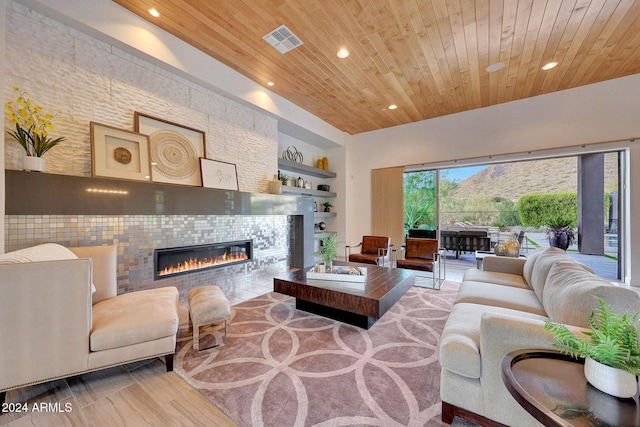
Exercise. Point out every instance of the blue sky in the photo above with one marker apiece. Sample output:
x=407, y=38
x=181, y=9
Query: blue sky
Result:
x=460, y=174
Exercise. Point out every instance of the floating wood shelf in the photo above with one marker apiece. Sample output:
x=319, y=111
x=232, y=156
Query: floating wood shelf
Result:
x=304, y=169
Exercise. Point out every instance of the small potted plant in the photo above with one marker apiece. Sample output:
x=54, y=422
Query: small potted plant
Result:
x=32, y=130
x=327, y=206
x=328, y=250
x=611, y=350
x=560, y=231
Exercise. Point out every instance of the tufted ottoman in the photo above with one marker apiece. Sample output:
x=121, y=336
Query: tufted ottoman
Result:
x=207, y=305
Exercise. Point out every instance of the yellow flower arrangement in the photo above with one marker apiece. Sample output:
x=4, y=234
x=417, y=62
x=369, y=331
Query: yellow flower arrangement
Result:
x=32, y=125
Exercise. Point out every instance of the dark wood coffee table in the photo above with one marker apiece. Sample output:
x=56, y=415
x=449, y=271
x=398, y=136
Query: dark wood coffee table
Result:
x=354, y=303
x=552, y=387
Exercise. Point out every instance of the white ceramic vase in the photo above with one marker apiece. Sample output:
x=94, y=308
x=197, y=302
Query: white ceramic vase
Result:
x=33, y=163
x=615, y=382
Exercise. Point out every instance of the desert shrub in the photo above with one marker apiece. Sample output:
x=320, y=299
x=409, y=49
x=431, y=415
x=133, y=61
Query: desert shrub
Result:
x=537, y=210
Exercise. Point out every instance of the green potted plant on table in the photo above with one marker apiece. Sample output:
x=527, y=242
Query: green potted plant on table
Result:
x=327, y=206
x=611, y=350
x=32, y=130
x=328, y=250
x=560, y=231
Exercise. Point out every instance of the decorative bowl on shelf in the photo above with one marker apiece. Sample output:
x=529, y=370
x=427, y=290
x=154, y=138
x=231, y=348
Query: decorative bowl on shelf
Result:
x=324, y=187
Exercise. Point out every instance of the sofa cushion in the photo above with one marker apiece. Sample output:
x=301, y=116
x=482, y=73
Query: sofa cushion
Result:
x=500, y=296
x=460, y=343
x=571, y=291
x=134, y=317
x=505, y=279
x=43, y=252
x=541, y=266
x=527, y=268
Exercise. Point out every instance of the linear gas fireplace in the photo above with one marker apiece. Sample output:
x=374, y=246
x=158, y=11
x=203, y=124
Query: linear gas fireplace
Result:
x=187, y=259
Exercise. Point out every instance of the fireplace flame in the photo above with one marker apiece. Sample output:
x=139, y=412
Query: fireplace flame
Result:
x=196, y=264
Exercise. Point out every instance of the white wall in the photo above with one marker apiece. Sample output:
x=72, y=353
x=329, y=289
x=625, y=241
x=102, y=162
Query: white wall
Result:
x=601, y=112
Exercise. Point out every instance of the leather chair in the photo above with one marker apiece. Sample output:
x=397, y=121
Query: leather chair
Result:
x=374, y=250
x=423, y=255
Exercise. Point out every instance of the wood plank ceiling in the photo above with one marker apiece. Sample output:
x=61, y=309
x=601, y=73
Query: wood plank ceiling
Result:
x=428, y=57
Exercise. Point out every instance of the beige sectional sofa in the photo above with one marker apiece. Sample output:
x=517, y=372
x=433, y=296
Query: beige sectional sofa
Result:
x=60, y=315
x=503, y=308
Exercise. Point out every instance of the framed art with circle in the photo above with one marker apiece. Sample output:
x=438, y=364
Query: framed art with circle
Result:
x=174, y=150
x=119, y=153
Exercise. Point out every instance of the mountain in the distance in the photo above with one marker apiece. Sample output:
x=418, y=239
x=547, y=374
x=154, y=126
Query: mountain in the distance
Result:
x=513, y=180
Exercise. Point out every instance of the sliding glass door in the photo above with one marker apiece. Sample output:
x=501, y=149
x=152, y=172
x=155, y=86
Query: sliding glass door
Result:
x=522, y=197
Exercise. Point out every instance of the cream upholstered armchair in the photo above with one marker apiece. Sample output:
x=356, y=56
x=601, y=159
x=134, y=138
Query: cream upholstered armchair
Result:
x=60, y=315
x=374, y=250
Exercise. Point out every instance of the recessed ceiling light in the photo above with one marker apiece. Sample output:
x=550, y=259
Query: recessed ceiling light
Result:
x=393, y=107
x=154, y=12
x=549, y=66
x=494, y=67
x=343, y=53
x=270, y=83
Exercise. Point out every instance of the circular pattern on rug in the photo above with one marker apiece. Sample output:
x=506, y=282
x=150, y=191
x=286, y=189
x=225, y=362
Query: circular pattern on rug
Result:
x=172, y=154
x=331, y=373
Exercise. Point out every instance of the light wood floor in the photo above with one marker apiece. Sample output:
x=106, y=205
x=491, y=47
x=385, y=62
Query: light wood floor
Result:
x=137, y=394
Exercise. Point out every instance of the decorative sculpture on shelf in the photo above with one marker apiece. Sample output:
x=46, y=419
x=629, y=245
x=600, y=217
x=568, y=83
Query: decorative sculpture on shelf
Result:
x=292, y=153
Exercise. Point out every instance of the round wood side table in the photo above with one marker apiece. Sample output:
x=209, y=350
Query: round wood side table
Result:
x=552, y=387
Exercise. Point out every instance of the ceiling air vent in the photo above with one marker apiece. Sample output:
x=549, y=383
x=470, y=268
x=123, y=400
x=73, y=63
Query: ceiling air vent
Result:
x=283, y=39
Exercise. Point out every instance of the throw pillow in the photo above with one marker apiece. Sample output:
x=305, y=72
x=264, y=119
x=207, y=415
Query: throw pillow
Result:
x=44, y=252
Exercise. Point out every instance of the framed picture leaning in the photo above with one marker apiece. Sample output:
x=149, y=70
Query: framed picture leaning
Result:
x=217, y=174
x=174, y=150
x=119, y=153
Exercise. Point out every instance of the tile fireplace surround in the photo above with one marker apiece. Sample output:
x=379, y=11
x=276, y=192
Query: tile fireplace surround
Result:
x=140, y=217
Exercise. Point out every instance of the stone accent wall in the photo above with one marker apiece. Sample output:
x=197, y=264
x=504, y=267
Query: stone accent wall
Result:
x=90, y=80
x=138, y=235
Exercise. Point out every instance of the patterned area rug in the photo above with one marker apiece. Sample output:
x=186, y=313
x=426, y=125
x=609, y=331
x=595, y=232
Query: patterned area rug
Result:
x=284, y=367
